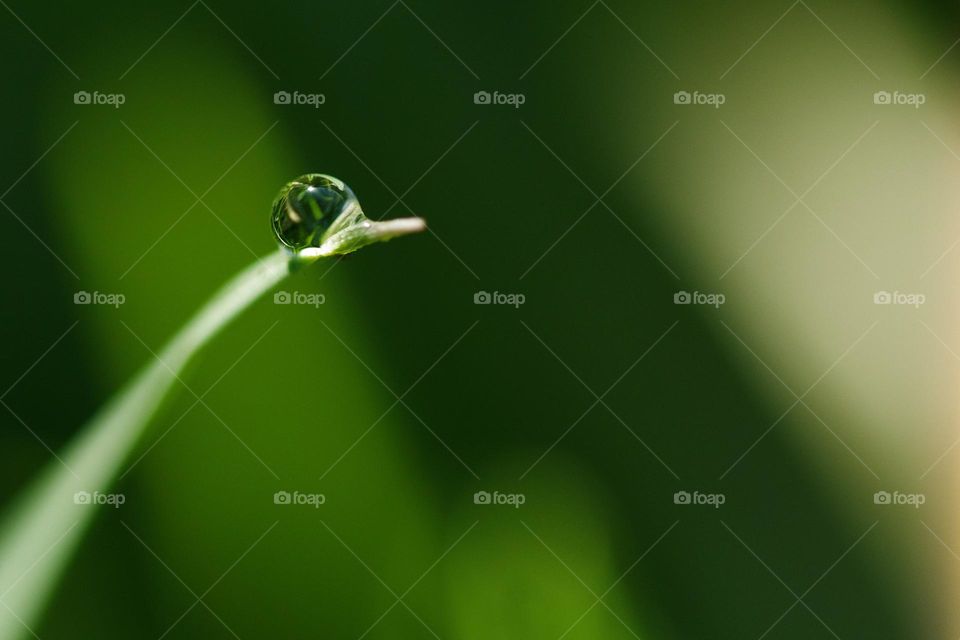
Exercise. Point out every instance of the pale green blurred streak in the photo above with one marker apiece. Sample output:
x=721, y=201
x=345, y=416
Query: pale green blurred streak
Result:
x=535, y=572
x=799, y=101
x=802, y=107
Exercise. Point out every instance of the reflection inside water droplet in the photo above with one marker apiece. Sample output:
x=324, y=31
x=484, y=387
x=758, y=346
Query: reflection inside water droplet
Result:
x=307, y=206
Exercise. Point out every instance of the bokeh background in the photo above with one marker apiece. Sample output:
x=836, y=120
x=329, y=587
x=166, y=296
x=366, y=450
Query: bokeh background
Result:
x=597, y=400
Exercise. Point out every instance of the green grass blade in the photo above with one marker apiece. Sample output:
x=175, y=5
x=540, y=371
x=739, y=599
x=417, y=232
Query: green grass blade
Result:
x=43, y=530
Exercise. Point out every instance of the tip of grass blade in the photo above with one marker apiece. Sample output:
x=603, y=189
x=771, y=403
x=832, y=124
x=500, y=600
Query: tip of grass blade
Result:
x=362, y=234
x=386, y=229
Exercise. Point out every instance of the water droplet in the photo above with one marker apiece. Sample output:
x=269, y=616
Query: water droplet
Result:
x=307, y=207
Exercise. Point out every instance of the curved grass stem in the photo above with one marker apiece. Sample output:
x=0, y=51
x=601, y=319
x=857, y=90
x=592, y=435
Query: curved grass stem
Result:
x=42, y=531
x=44, y=527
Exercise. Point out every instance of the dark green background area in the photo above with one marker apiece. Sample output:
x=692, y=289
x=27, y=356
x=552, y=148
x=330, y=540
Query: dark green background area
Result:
x=396, y=104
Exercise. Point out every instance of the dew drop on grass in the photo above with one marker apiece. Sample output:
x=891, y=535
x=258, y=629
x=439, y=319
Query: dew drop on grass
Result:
x=307, y=206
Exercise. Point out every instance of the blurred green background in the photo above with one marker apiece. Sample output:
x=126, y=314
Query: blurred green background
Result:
x=598, y=399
